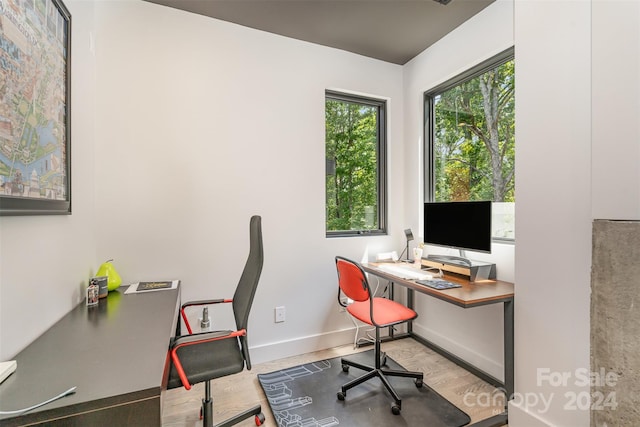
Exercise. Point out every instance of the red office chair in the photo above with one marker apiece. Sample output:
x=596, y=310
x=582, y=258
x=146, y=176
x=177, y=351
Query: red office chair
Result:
x=205, y=356
x=375, y=311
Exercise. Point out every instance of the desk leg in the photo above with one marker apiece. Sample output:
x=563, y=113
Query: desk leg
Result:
x=508, y=350
x=391, y=297
x=503, y=418
x=410, y=303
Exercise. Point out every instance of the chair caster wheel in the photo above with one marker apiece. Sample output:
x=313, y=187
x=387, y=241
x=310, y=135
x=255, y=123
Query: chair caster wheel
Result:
x=395, y=409
x=341, y=395
x=345, y=368
x=259, y=419
x=419, y=382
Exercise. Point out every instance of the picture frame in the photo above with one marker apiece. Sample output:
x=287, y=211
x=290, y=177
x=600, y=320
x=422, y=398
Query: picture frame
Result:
x=35, y=108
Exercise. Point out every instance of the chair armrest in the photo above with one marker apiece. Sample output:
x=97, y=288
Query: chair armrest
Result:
x=196, y=339
x=185, y=340
x=199, y=303
x=205, y=302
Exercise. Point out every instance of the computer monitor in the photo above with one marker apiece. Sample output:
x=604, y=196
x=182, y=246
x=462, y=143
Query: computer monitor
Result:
x=458, y=225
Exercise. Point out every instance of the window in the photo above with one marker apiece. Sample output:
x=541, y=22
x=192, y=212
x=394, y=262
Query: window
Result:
x=355, y=141
x=470, y=137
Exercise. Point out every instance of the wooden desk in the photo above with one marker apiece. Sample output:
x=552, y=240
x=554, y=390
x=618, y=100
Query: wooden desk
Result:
x=469, y=295
x=116, y=354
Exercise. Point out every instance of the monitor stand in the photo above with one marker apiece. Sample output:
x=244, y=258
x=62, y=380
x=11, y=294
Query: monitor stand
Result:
x=475, y=270
x=453, y=259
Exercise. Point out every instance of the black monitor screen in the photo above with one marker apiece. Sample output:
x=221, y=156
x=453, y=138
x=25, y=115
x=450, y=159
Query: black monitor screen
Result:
x=460, y=225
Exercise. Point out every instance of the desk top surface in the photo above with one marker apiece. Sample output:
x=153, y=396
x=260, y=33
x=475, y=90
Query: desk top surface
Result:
x=471, y=294
x=111, y=352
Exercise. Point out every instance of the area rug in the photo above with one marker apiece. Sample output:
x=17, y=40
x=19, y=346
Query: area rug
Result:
x=305, y=395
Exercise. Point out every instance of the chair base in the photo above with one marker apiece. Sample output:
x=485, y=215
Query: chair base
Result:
x=206, y=412
x=379, y=372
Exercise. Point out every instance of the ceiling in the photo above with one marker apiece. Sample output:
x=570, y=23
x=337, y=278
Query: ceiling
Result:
x=390, y=30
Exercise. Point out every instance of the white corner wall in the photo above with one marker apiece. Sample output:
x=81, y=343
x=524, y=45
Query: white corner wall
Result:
x=46, y=261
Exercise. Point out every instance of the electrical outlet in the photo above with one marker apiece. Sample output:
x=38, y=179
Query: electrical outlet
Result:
x=280, y=314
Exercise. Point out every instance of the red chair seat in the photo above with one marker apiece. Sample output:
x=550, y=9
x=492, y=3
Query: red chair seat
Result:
x=386, y=312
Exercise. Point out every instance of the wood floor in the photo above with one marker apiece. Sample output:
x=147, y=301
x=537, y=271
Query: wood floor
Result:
x=235, y=393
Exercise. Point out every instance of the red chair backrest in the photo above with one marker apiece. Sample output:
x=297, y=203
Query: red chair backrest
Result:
x=352, y=280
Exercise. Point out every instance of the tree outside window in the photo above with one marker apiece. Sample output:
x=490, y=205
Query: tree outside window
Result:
x=470, y=128
x=355, y=164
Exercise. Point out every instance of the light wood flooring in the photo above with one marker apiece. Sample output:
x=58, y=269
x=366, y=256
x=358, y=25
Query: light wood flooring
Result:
x=235, y=393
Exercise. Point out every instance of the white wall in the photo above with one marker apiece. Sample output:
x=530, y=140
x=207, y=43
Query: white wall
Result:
x=202, y=123
x=615, y=109
x=46, y=261
x=553, y=207
x=473, y=334
x=577, y=132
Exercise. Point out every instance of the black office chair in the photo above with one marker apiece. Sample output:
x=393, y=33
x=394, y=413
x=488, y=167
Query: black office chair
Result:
x=375, y=311
x=203, y=357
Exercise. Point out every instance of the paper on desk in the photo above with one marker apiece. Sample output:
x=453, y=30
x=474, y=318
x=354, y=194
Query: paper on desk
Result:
x=133, y=288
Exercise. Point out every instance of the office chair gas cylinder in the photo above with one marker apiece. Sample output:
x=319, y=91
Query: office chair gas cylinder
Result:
x=375, y=311
x=202, y=357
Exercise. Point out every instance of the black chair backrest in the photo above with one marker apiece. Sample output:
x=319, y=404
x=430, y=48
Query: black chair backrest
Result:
x=246, y=290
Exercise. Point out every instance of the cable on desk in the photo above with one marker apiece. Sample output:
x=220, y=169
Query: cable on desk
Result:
x=60, y=396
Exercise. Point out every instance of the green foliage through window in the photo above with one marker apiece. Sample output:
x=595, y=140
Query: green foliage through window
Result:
x=471, y=135
x=354, y=141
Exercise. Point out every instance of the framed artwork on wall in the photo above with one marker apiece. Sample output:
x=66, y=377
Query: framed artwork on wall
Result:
x=35, y=113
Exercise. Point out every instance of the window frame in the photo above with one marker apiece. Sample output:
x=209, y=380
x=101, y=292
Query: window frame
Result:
x=428, y=128
x=381, y=161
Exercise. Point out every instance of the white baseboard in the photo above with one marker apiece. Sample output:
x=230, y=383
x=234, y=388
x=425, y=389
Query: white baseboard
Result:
x=491, y=367
x=296, y=346
x=520, y=417
x=301, y=345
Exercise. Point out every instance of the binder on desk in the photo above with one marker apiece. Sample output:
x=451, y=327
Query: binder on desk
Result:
x=141, y=287
x=148, y=286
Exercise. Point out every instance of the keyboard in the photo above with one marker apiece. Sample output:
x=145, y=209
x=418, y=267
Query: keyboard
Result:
x=405, y=272
x=438, y=284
